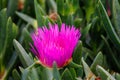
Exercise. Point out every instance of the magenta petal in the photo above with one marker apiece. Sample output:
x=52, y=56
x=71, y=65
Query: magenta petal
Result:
x=55, y=44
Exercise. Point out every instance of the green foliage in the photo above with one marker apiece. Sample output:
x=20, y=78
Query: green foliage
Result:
x=97, y=61
x=28, y=19
x=108, y=25
x=96, y=55
x=24, y=57
x=39, y=15
x=116, y=16
x=16, y=75
x=89, y=74
x=8, y=31
x=67, y=75
x=12, y=7
x=104, y=74
x=56, y=74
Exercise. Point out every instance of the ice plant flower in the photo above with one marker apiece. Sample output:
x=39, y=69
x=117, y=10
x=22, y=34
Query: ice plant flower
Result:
x=54, y=44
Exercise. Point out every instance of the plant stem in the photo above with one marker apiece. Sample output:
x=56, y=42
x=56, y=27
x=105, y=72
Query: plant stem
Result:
x=32, y=65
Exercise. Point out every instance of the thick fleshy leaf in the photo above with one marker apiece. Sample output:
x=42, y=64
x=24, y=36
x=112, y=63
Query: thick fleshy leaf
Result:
x=88, y=73
x=39, y=15
x=25, y=75
x=108, y=26
x=73, y=73
x=59, y=21
x=89, y=8
x=80, y=71
x=11, y=32
x=70, y=20
x=23, y=56
x=12, y=7
x=85, y=31
x=27, y=38
x=47, y=74
x=74, y=65
x=116, y=16
x=56, y=74
x=3, y=4
x=97, y=61
x=73, y=5
x=21, y=69
x=104, y=74
x=67, y=7
x=8, y=31
x=3, y=22
x=78, y=53
x=60, y=6
x=52, y=5
x=77, y=22
x=28, y=19
x=9, y=66
x=33, y=75
x=117, y=76
x=16, y=75
x=66, y=75
x=113, y=57
x=11, y=62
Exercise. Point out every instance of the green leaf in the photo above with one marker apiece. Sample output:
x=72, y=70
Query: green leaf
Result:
x=89, y=9
x=9, y=66
x=104, y=75
x=41, y=10
x=108, y=26
x=56, y=74
x=59, y=21
x=116, y=62
x=52, y=5
x=11, y=33
x=88, y=52
x=23, y=56
x=74, y=65
x=60, y=6
x=8, y=31
x=47, y=21
x=67, y=7
x=73, y=5
x=97, y=61
x=85, y=31
x=33, y=74
x=27, y=38
x=3, y=22
x=16, y=75
x=21, y=69
x=73, y=73
x=47, y=74
x=66, y=75
x=3, y=4
x=117, y=76
x=39, y=16
x=77, y=22
x=28, y=19
x=8, y=37
x=11, y=63
x=116, y=15
x=12, y=7
x=70, y=19
x=25, y=74
x=89, y=74
x=79, y=71
x=78, y=53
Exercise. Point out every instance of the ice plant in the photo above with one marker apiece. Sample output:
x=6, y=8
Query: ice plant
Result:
x=54, y=44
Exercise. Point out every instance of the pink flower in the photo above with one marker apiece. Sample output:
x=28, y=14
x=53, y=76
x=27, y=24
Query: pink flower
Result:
x=55, y=44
